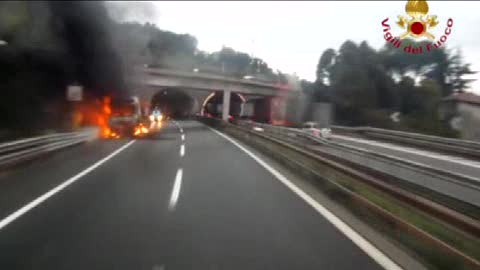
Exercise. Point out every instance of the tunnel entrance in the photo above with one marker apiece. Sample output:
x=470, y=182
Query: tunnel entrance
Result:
x=173, y=103
x=213, y=104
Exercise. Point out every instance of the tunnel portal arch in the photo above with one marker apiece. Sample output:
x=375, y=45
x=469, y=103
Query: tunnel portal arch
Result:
x=173, y=102
x=212, y=105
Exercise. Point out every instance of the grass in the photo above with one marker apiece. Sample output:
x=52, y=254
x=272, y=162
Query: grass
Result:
x=433, y=257
x=465, y=244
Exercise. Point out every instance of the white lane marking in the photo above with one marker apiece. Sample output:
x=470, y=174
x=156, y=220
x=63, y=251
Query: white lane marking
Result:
x=178, y=125
x=10, y=218
x=182, y=150
x=156, y=267
x=410, y=150
x=176, y=189
x=183, y=137
x=356, y=238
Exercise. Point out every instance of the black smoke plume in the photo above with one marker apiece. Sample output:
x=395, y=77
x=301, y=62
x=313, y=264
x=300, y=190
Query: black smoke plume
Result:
x=47, y=45
x=84, y=28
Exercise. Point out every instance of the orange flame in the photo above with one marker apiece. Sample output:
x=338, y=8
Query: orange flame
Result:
x=103, y=117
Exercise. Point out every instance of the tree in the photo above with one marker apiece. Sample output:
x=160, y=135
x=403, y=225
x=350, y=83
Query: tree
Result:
x=366, y=85
x=172, y=50
x=352, y=88
x=147, y=44
x=324, y=65
x=382, y=83
x=444, y=66
x=457, y=72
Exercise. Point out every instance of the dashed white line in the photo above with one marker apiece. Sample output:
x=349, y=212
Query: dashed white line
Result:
x=182, y=150
x=183, y=137
x=176, y=189
x=181, y=129
x=10, y=218
x=355, y=237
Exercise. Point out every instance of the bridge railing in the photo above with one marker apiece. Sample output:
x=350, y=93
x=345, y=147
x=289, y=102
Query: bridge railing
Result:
x=186, y=74
x=17, y=151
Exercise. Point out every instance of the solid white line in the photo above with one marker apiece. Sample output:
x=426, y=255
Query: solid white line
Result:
x=176, y=189
x=10, y=218
x=356, y=238
x=410, y=150
x=183, y=137
x=182, y=150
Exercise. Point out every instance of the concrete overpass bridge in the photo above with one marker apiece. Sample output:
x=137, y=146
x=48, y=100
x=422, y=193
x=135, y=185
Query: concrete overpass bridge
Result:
x=149, y=81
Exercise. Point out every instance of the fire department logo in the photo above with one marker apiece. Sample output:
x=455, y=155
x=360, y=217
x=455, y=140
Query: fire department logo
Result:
x=417, y=25
x=419, y=22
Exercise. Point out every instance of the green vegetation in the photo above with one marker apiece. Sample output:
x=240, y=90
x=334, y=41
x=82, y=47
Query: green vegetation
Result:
x=50, y=47
x=317, y=172
x=368, y=85
x=462, y=242
x=147, y=44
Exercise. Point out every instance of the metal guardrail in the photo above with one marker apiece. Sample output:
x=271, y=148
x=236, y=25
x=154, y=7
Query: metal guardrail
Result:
x=458, y=186
x=291, y=136
x=461, y=187
x=471, y=148
x=430, y=138
x=20, y=150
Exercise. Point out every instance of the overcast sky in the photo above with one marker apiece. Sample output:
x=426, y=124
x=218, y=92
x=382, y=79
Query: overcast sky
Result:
x=291, y=36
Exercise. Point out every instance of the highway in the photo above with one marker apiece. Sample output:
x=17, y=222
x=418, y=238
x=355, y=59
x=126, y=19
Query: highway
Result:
x=446, y=162
x=184, y=198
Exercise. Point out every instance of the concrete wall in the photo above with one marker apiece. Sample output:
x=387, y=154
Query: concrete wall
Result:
x=470, y=121
x=322, y=113
x=206, y=83
x=148, y=81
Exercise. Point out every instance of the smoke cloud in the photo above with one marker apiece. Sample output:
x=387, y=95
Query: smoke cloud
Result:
x=47, y=45
x=132, y=11
x=83, y=27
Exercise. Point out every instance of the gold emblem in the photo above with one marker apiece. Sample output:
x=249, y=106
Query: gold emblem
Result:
x=419, y=22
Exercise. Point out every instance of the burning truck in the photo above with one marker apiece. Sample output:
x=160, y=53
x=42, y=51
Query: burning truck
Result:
x=116, y=117
x=125, y=119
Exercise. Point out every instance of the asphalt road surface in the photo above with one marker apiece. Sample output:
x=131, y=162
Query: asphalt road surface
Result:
x=450, y=163
x=185, y=198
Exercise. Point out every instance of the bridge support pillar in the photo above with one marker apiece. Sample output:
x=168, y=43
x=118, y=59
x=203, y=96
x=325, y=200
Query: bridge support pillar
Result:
x=226, y=105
